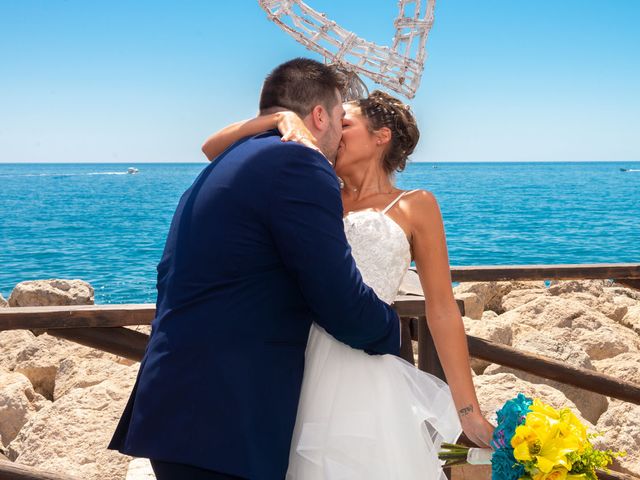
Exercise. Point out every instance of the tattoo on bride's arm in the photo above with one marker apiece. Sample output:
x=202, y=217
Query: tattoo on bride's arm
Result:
x=466, y=410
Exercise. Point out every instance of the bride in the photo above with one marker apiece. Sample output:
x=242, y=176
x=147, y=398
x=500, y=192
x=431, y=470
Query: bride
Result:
x=379, y=417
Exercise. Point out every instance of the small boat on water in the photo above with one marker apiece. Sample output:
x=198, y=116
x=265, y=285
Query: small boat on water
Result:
x=132, y=170
x=624, y=169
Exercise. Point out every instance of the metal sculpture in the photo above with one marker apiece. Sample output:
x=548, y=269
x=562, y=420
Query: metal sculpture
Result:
x=398, y=67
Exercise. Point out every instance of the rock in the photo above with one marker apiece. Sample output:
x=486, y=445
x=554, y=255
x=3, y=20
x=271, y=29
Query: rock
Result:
x=473, y=306
x=3, y=302
x=620, y=427
x=51, y=292
x=140, y=469
x=625, y=367
x=494, y=390
x=71, y=434
x=608, y=340
x=84, y=372
x=553, y=345
x=551, y=311
x=592, y=287
x=618, y=290
x=516, y=298
x=18, y=402
x=489, y=329
x=488, y=314
x=13, y=342
x=605, y=303
x=492, y=293
x=632, y=318
x=41, y=358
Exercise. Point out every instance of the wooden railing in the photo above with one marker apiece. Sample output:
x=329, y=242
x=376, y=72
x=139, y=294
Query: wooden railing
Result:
x=102, y=327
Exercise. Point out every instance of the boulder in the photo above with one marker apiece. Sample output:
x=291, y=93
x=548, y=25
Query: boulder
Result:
x=608, y=340
x=473, y=306
x=3, y=302
x=494, y=390
x=553, y=345
x=621, y=291
x=625, y=367
x=40, y=361
x=72, y=433
x=488, y=314
x=592, y=287
x=489, y=329
x=632, y=318
x=491, y=293
x=83, y=372
x=620, y=428
x=516, y=298
x=605, y=303
x=140, y=469
x=51, y=292
x=551, y=311
x=18, y=403
x=12, y=342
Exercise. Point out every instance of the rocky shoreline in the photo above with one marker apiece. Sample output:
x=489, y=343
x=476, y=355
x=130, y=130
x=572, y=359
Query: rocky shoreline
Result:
x=60, y=401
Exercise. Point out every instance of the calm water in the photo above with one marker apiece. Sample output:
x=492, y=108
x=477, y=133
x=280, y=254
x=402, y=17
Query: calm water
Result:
x=93, y=221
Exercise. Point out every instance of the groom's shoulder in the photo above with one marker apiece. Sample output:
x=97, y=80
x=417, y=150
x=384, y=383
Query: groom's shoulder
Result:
x=270, y=145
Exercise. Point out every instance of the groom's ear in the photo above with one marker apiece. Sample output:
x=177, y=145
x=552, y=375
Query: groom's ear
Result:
x=319, y=118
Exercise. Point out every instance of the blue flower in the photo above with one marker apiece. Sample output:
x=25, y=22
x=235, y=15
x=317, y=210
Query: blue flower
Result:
x=510, y=416
x=504, y=465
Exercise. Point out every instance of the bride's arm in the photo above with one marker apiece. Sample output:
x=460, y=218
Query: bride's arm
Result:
x=288, y=123
x=443, y=316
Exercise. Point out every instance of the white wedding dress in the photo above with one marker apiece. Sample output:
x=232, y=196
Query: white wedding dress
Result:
x=373, y=417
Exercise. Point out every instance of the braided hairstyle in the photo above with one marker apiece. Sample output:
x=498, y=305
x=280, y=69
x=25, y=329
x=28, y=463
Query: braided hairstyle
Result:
x=382, y=110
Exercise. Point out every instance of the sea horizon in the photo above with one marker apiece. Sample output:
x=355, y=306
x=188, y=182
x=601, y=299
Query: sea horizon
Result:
x=95, y=222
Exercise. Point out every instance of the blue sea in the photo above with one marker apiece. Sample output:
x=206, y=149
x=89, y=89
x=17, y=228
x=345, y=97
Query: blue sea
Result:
x=97, y=223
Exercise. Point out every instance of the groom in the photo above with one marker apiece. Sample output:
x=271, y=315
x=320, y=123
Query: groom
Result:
x=256, y=252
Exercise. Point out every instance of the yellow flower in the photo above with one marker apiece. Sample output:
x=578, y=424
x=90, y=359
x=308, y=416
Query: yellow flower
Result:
x=547, y=437
x=555, y=474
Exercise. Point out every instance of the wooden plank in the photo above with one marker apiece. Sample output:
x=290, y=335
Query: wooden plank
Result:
x=117, y=340
x=487, y=273
x=76, y=316
x=613, y=475
x=554, y=370
x=635, y=284
x=14, y=471
x=414, y=306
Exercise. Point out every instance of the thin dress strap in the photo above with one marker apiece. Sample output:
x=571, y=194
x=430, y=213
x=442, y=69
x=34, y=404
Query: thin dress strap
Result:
x=388, y=207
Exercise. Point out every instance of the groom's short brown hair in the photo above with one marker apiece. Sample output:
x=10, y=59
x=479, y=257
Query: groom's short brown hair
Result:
x=299, y=85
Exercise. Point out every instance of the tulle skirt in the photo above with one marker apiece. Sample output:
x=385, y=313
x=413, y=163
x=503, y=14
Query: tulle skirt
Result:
x=368, y=417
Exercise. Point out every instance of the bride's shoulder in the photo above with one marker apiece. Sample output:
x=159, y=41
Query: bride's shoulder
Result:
x=420, y=199
x=421, y=205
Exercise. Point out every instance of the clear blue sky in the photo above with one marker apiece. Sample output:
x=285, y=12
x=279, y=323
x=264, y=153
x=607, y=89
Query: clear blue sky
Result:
x=147, y=81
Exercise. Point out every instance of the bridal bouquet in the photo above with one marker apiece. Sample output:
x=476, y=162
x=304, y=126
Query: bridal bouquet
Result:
x=534, y=441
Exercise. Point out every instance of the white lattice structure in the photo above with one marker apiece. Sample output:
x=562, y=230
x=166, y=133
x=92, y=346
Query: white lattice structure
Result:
x=398, y=67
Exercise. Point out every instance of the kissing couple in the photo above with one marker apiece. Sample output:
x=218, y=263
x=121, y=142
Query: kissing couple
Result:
x=273, y=353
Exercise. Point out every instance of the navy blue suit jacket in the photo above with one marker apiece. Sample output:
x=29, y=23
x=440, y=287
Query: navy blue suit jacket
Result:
x=256, y=252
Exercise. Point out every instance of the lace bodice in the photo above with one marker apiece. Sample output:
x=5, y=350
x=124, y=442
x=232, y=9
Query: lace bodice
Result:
x=381, y=251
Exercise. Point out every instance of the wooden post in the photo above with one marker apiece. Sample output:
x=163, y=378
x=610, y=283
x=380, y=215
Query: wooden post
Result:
x=428, y=360
x=406, y=347
x=117, y=340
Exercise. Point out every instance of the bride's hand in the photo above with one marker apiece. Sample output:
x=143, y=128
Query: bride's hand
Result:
x=292, y=128
x=477, y=429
